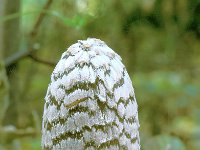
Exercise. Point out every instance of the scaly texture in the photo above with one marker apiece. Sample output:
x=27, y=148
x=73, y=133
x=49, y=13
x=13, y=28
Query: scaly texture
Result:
x=90, y=103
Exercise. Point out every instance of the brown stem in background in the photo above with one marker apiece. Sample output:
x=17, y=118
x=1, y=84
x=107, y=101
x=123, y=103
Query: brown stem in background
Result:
x=24, y=54
x=37, y=59
x=10, y=132
x=29, y=52
x=16, y=57
x=38, y=22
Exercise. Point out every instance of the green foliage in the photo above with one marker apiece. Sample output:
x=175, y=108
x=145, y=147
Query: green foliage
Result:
x=32, y=144
x=77, y=21
x=167, y=106
x=163, y=142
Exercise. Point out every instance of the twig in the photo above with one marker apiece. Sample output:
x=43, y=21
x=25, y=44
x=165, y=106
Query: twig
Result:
x=10, y=132
x=24, y=54
x=29, y=53
x=16, y=57
x=35, y=58
x=40, y=18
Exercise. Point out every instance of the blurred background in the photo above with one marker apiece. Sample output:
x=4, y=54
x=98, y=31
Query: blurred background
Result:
x=158, y=40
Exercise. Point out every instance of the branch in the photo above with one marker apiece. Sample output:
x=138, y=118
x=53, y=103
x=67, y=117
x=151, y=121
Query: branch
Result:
x=40, y=18
x=29, y=53
x=16, y=57
x=35, y=58
x=10, y=132
x=24, y=54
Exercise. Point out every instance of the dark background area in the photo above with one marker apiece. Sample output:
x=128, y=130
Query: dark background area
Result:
x=158, y=40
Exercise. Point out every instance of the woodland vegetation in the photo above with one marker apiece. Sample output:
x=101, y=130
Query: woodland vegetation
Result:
x=158, y=40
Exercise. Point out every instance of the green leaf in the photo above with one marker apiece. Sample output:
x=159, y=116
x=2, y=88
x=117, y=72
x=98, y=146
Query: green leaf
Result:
x=77, y=21
x=164, y=142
